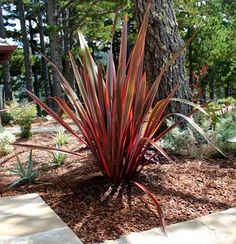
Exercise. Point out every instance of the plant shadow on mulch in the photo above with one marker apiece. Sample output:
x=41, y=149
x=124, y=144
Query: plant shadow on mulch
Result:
x=97, y=210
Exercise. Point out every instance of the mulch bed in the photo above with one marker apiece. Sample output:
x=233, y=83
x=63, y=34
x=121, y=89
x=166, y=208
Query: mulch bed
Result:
x=96, y=211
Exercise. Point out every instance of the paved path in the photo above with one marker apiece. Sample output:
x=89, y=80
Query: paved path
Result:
x=27, y=219
x=39, y=129
x=217, y=228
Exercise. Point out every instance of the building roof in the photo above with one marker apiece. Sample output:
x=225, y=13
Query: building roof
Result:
x=5, y=50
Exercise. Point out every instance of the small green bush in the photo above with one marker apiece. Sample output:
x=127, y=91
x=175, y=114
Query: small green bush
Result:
x=217, y=110
x=187, y=142
x=23, y=115
x=222, y=125
x=224, y=129
x=181, y=141
x=6, y=118
x=27, y=174
x=229, y=101
x=6, y=138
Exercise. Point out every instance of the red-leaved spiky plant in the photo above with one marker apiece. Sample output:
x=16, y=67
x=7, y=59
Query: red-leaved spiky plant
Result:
x=116, y=114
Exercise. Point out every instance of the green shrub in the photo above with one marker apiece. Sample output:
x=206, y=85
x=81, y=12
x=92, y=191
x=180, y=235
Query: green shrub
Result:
x=61, y=138
x=187, y=142
x=23, y=115
x=224, y=129
x=181, y=141
x=27, y=174
x=229, y=101
x=6, y=138
x=6, y=118
x=218, y=109
x=222, y=125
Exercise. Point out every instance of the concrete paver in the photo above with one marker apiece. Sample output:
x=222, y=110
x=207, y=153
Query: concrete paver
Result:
x=217, y=228
x=40, y=129
x=28, y=219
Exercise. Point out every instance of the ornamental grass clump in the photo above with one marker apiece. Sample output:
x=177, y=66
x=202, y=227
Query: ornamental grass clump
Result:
x=58, y=159
x=61, y=138
x=116, y=114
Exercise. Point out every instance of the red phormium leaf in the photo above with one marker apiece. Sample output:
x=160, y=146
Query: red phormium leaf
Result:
x=154, y=200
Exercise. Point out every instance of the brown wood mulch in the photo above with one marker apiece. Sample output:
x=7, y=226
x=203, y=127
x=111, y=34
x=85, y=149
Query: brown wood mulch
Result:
x=96, y=211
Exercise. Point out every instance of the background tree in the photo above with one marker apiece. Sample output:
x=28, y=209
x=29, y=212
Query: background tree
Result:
x=44, y=64
x=163, y=40
x=26, y=47
x=213, y=47
x=55, y=45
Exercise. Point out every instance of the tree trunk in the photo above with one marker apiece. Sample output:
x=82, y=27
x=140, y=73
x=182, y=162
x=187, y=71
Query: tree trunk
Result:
x=26, y=48
x=45, y=74
x=219, y=92
x=212, y=87
x=7, y=81
x=55, y=46
x=6, y=66
x=67, y=69
x=203, y=86
x=190, y=58
x=163, y=40
x=34, y=66
x=227, y=89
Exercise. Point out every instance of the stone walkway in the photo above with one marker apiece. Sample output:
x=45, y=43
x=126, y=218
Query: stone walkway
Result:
x=217, y=228
x=39, y=129
x=27, y=219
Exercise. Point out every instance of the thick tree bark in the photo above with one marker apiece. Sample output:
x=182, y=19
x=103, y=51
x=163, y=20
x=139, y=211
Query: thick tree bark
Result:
x=26, y=48
x=6, y=66
x=55, y=46
x=163, y=40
